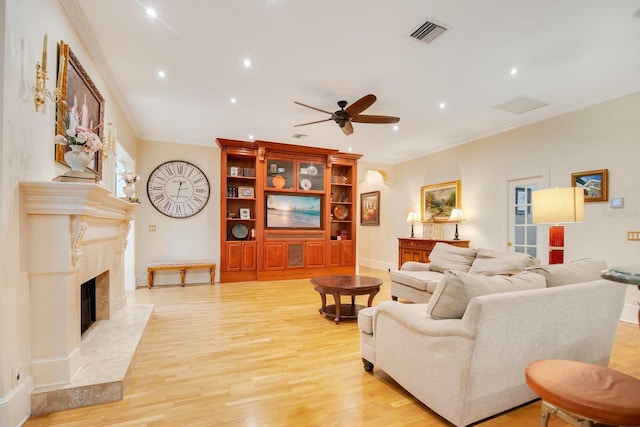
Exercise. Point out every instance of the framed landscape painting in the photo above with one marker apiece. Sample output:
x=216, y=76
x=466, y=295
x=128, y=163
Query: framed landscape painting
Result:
x=594, y=184
x=438, y=200
x=370, y=208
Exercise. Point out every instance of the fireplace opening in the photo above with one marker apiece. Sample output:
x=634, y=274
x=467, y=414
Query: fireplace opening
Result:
x=87, y=305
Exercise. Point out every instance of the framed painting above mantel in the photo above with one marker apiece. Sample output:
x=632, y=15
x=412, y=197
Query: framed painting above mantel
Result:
x=80, y=104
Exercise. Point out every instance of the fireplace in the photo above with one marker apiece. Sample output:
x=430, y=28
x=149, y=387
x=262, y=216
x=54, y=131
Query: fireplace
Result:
x=87, y=305
x=76, y=233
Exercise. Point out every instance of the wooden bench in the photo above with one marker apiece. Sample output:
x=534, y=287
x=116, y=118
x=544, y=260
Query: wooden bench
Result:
x=183, y=266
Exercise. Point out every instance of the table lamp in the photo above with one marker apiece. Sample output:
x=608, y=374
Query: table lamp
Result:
x=412, y=217
x=555, y=206
x=457, y=217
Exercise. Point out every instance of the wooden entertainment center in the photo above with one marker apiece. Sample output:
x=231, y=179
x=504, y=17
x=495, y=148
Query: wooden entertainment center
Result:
x=287, y=211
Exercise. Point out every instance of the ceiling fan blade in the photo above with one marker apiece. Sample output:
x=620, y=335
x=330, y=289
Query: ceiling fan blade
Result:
x=310, y=123
x=360, y=105
x=313, y=108
x=375, y=119
x=347, y=128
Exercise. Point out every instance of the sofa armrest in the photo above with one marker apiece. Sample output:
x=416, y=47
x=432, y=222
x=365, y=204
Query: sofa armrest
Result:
x=415, y=266
x=415, y=318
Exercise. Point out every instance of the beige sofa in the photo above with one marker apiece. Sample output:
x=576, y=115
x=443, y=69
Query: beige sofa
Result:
x=464, y=353
x=416, y=281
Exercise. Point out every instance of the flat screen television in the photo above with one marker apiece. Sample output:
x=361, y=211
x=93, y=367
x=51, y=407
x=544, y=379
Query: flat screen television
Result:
x=292, y=211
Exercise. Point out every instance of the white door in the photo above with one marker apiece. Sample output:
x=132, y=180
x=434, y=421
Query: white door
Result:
x=523, y=234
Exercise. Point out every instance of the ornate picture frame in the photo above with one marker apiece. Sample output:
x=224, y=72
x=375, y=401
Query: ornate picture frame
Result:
x=75, y=84
x=437, y=200
x=594, y=183
x=370, y=208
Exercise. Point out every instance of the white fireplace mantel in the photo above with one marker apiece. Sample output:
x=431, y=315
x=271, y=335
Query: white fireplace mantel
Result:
x=74, y=232
x=66, y=198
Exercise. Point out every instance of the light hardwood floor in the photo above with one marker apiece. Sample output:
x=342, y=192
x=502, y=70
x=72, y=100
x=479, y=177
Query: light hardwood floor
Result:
x=260, y=354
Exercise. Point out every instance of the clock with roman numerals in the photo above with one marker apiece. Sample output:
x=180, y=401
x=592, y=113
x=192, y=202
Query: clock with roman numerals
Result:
x=178, y=189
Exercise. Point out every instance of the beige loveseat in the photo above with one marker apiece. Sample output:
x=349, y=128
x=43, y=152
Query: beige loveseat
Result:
x=416, y=281
x=464, y=353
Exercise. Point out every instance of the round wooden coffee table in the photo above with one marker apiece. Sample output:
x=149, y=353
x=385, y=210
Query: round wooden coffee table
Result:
x=345, y=285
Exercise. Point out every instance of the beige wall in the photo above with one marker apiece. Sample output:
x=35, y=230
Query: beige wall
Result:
x=604, y=136
x=197, y=237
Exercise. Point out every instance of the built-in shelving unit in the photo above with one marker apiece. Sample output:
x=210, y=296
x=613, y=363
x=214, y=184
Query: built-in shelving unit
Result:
x=287, y=211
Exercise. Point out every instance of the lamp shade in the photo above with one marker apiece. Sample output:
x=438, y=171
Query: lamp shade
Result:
x=412, y=217
x=556, y=205
x=456, y=215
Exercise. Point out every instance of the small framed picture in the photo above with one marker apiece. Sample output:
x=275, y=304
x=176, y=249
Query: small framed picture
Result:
x=233, y=171
x=245, y=213
x=370, y=208
x=245, y=192
x=594, y=184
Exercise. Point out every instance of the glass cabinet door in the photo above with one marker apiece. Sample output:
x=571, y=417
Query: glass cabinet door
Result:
x=280, y=174
x=310, y=176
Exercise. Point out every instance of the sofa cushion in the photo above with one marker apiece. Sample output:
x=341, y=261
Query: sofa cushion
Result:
x=456, y=289
x=422, y=280
x=578, y=271
x=490, y=262
x=448, y=257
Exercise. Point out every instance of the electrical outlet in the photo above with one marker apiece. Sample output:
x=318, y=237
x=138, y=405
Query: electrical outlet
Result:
x=152, y=228
x=16, y=372
x=633, y=235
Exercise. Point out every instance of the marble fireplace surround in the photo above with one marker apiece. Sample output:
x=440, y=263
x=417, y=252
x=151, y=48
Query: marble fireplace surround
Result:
x=75, y=232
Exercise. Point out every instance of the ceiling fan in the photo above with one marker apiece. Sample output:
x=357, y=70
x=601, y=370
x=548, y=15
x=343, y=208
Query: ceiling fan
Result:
x=344, y=117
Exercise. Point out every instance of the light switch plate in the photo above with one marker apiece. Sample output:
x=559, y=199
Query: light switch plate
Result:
x=616, y=202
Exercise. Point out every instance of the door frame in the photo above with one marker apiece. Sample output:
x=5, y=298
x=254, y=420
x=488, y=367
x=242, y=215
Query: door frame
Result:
x=542, y=236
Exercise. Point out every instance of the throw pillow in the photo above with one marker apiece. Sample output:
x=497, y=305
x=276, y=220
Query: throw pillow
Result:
x=578, y=271
x=453, y=293
x=490, y=262
x=448, y=257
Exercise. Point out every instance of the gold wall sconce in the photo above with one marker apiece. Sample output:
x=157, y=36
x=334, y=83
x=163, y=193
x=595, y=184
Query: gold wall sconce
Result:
x=40, y=89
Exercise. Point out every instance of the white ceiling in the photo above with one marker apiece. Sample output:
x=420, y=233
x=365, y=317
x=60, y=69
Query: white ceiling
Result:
x=569, y=53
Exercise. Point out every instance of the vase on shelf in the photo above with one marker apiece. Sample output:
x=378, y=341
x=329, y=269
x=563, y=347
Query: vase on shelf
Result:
x=77, y=158
x=129, y=190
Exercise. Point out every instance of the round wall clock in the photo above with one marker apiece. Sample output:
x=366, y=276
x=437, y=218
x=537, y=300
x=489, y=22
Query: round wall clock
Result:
x=178, y=189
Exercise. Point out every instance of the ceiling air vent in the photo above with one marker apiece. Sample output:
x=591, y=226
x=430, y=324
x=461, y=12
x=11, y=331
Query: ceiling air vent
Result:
x=521, y=105
x=428, y=32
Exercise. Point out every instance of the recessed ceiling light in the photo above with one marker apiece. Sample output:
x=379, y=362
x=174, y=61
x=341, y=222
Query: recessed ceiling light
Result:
x=442, y=105
x=161, y=74
x=251, y=138
x=233, y=100
x=350, y=149
x=151, y=12
x=247, y=63
x=396, y=127
x=513, y=71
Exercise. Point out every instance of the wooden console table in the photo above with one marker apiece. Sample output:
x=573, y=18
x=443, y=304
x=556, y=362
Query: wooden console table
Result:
x=419, y=249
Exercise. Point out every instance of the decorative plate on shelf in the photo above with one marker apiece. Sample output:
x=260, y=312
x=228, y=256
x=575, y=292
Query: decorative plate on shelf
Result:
x=305, y=184
x=239, y=231
x=278, y=181
x=312, y=170
x=341, y=212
